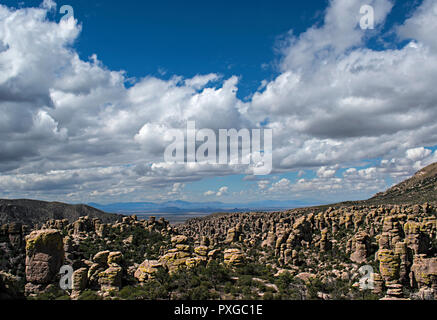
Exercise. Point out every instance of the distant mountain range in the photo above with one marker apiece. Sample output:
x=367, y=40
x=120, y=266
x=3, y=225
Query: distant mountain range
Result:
x=420, y=188
x=180, y=206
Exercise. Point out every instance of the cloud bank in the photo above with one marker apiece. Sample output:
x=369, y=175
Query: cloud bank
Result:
x=73, y=130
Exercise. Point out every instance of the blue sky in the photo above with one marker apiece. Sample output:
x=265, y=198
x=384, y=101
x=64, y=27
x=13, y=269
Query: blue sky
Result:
x=166, y=38
x=107, y=113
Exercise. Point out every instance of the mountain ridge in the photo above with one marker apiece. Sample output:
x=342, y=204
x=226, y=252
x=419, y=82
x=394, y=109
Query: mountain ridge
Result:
x=33, y=212
x=421, y=187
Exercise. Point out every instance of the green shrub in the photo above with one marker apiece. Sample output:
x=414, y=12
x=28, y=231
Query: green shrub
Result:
x=89, y=295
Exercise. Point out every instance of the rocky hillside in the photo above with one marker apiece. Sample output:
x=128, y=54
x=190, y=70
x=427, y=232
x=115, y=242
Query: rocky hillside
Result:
x=32, y=212
x=420, y=188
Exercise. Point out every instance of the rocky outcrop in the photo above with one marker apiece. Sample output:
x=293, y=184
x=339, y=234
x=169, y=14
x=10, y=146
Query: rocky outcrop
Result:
x=106, y=272
x=324, y=243
x=13, y=234
x=389, y=265
x=234, y=235
x=415, y=239
x=234, y=257
x=424, y=275
x=148, y=269
x=110, y=280
x=80, y=282
x=360, y=247
x=180, y=255
x=391, y=235
x=44, y=258
x=99, y=264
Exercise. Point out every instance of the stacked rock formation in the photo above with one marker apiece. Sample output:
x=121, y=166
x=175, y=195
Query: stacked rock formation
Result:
x=401, y=238
x=184, y=255
x=360, y=246
x=233, y=257
x=44, y=258
x=148, y=269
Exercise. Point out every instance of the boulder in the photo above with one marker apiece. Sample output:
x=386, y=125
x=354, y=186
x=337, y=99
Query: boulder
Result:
x=115, y=258
x=147, y=270
x=234, y=257
x=110, y=280
x=44, y=256
x=80, y=281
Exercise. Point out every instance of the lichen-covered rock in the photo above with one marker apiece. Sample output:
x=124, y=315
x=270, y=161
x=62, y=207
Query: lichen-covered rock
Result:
x=100, y=263
x=424, y=271
x=80, y=279
x=102, y=230
x=378, y=283
x=389, y=265
x=101, y=257
x=213, y=254
x=15, y=234
x=201, y=251
x=416, y=240
x=204, y=241
x=148, y=269
x=394, y=292
x=115, y=258
x=183, y=247
x=179, y=239
x=194, y=261
x=233, y=235
x=402, y=251
x=44, y=256
x=83, y=226
x=306, y=277
x=110, y=280
x=93, y=274
x=233, y=257
x=80, y=282
x=174, y=260
x=324, y=242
